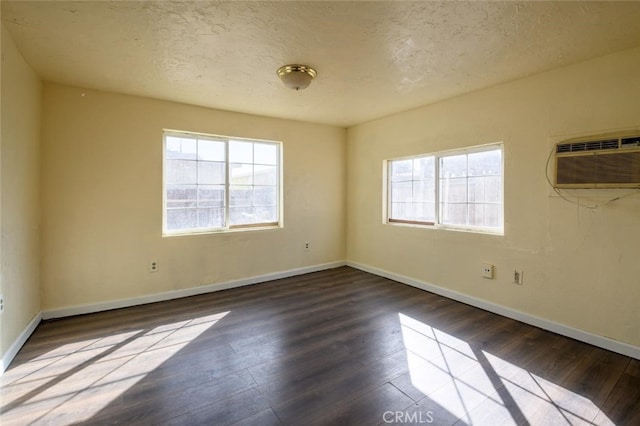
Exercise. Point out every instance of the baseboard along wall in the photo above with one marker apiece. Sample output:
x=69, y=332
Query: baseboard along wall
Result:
x=160, y=297
x=545, y=324
x=581, y=335
x=19, y=342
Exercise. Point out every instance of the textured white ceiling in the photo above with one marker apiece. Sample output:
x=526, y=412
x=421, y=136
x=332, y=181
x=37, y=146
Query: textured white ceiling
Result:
x=372, y=58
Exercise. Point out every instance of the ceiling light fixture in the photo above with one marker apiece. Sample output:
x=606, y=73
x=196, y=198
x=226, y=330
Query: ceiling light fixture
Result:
x=296, y=77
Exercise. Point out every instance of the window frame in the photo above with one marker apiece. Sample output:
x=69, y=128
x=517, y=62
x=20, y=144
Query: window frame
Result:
x=437, y=223
x=389, y=194
x=227, y=227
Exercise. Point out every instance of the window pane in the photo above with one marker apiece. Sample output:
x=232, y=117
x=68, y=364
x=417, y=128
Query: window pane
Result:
x=265, y=153
x=211, y=196
x=241, y=215
x=493, y=189
x=477, y=189
x=211, y=173
x=211, y=150
x=404, y=211
x=241, y=174
x=476, y=214
x=265, y=196
x=265, y=214
x=247, y=215
x=181, y=171
x=419, y=212
x=402, y=192
x=240, y=196
x=211, y=218
x=182, y=219
x=428, y=212
x=485, y=215
x=412, y=190
x=454, y=214
x=181, y=196
x=265, y=175
x=424, y=168
x=485, y=189
x=482, y=189
x=493, y=215
x=485, y=163
x=424, y=212
x=424, y=190
x=180, y=148
x=453, y=166
x=453, y=190
x=401, y=170
x=240, y=152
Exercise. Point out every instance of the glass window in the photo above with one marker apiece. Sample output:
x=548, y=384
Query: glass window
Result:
x=216, y=183
x=411, y=189
x=465, y=185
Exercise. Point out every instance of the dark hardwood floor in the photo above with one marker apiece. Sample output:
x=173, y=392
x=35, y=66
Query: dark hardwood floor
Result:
x=334, y=347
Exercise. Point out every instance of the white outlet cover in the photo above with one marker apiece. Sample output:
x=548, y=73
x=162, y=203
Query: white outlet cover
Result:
x=487, y=270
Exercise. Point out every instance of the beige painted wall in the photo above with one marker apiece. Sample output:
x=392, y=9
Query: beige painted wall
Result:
x=580, y=266
x=19, y=193
x=102, y=199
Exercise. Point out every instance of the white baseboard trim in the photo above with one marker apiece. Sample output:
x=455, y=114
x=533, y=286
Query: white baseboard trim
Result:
x=176, y=294
x=574, y=333
x=17, y=344
x=584, y=336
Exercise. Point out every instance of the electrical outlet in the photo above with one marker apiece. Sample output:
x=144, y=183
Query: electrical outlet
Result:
x=487, y=270
x=153, y=266
x=1, y=304
x=518, y=276
x=307, y=246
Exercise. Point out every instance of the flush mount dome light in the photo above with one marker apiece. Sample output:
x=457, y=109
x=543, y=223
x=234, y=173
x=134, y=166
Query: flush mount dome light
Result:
x=296, y=77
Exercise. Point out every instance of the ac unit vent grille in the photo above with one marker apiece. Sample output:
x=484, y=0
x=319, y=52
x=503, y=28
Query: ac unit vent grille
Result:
x=606, y=162
x=630, y=142
x=588, y=146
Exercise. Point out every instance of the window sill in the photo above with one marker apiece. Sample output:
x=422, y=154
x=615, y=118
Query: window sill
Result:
x=188, y=233
x=439, y=227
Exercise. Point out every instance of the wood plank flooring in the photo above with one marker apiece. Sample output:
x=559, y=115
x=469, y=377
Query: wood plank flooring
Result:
x=338, y=347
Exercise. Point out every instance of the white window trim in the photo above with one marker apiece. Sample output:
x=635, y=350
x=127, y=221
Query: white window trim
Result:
x=226, y=229
x=386, y=202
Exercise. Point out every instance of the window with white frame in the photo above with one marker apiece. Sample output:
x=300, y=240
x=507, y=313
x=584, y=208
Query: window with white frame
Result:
x=460, y=189
x=214, y=183
x=412, y=190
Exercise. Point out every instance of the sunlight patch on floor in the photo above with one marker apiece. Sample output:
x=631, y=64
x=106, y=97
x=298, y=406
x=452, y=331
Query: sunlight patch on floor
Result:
x=542, y=401
x=75, y=381
x=480, y=388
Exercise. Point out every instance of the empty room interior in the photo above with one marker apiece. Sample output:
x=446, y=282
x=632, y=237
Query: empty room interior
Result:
x=320, y=213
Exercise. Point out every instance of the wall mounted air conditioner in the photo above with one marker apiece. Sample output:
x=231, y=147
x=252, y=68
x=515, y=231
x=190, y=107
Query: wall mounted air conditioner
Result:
x=611, y=162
